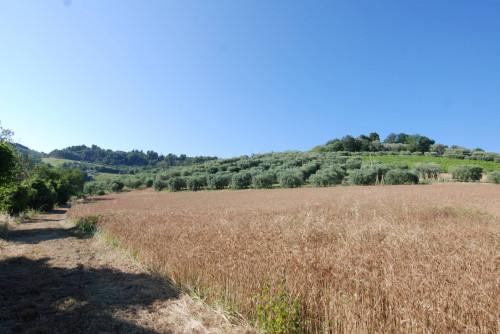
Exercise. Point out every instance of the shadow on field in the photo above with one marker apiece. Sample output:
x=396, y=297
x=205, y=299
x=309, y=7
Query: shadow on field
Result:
x=38, y=298
x=35, y=236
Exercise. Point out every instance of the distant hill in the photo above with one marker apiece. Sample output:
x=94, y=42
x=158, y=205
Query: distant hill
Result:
x=26, y=151
x=134, y=158
x=402, y=144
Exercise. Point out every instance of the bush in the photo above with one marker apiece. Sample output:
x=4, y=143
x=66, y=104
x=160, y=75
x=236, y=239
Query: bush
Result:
x=381, y=169
x=290, y=179
x=466, y=173
x=309, y=169
x=176, y=183
x=365, y=176
x=93, y=188
x=354, y=163
x=328, y=177
x=159, y=184
x=494, y=177
x=63, y=190
x=241, y=180
x=264, y=180
x=133, y=182
x=116, y=185
x=13, y=198
x=41, y=195
x=218, y=181
x=400, y=176
x=195, y=183
x=149, y=183
x=428, y=170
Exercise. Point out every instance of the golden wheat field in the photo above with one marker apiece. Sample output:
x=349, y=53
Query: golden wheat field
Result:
x=412, y=259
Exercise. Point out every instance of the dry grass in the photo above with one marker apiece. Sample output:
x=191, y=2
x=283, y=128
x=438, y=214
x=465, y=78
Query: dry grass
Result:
x=379, y=259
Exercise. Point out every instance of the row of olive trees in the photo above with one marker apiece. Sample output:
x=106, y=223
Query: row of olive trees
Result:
x=289, y=175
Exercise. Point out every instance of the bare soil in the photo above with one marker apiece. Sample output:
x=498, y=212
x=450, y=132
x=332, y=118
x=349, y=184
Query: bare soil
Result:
x=56, y=280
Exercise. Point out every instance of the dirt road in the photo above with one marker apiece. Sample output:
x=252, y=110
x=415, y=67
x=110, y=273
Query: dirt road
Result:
x=54, y=280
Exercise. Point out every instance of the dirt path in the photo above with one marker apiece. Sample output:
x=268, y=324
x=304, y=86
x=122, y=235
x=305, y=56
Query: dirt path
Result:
x=53, y=280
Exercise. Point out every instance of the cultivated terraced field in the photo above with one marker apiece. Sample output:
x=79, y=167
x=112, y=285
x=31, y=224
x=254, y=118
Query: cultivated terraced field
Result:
x=375, y=259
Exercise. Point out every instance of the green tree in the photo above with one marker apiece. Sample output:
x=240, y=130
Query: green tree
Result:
x=418, y=143
x=364, y=176
x=241, y=180
x=400, y=176
x=9, y=163
x=466, y=173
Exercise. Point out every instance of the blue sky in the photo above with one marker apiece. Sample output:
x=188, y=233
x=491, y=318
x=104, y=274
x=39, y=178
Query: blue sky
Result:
x=237, y=77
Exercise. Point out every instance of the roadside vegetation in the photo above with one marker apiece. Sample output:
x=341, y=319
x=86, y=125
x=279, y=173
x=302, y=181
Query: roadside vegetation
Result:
x=27, y=185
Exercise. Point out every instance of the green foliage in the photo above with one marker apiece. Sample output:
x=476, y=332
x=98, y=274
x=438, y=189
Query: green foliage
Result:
x=445, y=163
x=88, y=225
x=197, y=182
x=97, y=155
x=149, y=183
x=264, y=180
x=381, y=169
x=400, y=176
x=467, y=173
x=354, y=163
x=116, y=186
x=41, y=195
x=9, y=166
x=66, y=182
x=328, y=177
x=219, y=181
x=310, y=168
x=418, y=143
x=94, y=188
x=290, y=179
x=428, y=170
x=277, y=311
x=13, y=198
x=176, y=183
x=133, y=182
x=494, y=177
x=159, y=184
x=365, y=176
x=241, y=180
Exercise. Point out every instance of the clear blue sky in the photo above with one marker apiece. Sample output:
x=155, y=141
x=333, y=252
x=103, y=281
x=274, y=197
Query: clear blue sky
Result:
x=233, y=77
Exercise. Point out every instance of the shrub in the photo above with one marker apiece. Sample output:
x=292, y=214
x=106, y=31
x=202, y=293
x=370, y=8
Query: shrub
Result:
x=365, y=176
x=428, y=170
x=233, y=169
x=218, y=181
x=149, y=183
x=13, y=198
x=241, y=180
x=289, y=179
x=195, y=183
x=328, y=177
x=264, y=180
x=176, y=183
x=354, y=163
x=93, y=188
x=400, y=176
x=494, y=177
x=381, y=169
x=116, y=185
x=466, y=173
x=309, y=169
x=41, y=195
x=133, y=182
x=159, y=184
